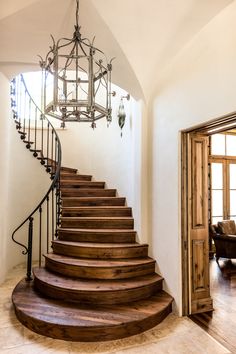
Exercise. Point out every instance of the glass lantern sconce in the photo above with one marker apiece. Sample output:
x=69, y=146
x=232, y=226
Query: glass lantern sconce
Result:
x=121, y=112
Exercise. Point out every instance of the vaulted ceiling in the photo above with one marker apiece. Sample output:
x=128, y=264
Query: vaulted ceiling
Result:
x=143, y=35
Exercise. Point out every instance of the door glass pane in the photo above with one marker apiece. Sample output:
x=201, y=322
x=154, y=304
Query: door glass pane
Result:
x=217, y=175
x=232, y=202
x=231, y=145
x=232, y=175
x=217, y=203
x=218, y=144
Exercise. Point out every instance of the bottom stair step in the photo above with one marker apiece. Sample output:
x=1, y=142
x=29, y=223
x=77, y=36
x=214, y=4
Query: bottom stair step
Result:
x=77, y=322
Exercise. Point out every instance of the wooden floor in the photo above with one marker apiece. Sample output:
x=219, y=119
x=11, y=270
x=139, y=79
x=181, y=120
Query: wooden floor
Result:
x=221, y=323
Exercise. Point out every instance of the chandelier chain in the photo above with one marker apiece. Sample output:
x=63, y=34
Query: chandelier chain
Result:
x=77, y=13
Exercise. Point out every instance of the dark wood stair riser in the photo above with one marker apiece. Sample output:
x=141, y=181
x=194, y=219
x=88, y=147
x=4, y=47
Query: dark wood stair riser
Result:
x=93, y=201
x=90, y=223
x=96, y=211
x=100, y=252
x=82, y=184
x=75, y=177
x=102, y=297
x=84, y=192
x=68, y=170
x=96, y=236
x=87, y=272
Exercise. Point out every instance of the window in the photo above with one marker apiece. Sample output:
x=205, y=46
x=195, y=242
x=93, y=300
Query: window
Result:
x=223, y=177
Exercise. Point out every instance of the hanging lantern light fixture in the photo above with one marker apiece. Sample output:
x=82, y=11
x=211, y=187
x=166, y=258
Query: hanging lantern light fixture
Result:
x=76, y=80
x=121, y=112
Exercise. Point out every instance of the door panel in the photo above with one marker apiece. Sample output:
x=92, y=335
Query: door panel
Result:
x=200, y=300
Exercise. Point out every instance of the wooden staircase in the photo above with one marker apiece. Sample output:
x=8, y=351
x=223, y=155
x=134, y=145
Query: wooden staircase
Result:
x=98, y=283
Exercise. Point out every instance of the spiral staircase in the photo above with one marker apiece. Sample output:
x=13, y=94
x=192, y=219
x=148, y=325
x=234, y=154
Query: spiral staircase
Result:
x=94, y=281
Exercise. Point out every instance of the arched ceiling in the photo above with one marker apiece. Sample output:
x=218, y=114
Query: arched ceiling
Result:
x=143, y=35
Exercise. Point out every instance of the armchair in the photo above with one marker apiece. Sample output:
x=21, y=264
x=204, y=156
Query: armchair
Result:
x=224, y=236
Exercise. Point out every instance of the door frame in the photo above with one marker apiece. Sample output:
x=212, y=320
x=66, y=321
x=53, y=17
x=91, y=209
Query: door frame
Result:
x=208, y=128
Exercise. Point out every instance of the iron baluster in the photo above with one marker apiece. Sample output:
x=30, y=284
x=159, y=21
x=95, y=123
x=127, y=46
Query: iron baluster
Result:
x=47, y=223
x=24, y=113
x=29, y=125
x=29, y=253
x=19, y=106
x=35, y=132
x=42, y=141
x=53, y=168
x=52, y=206
x=48, y=168
x=40, y=235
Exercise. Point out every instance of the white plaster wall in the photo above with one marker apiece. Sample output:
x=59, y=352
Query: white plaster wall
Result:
x=106, y=155
x=198, y=86
x=4, y=146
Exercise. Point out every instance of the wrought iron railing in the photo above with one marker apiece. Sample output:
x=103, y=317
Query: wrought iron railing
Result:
x=42, y=140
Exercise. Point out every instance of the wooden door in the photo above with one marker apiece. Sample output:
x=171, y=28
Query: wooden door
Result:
x=199, y=287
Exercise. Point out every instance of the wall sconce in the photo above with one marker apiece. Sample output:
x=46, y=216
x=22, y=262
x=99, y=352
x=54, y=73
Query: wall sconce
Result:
x=121, y=112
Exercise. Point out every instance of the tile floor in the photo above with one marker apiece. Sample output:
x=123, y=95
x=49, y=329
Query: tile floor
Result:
x=173, y=336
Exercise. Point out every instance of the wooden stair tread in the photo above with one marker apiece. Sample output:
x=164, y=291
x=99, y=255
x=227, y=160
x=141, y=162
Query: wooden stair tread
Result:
x=88, y=192
x=97, y=235
x=77, y=322
x=99, y=245
x=96, y=218
x=109, y=268
x=93, y=285
x=90, y=198
x=98, y=210
x=108, y=263
x=69, y=169
x=118, y=231
x=89, y=189
x=92, y=201
x=75, y=176
x=100, y=231
x=105, y=207
x=74, y=182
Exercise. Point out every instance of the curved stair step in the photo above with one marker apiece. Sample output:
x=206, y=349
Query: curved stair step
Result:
x=99, y=269
x=97, y=236
x=96, y=291
x=77, y=322
x=81, y=184
x=75, y=177
x=68, y=170
x=87, y=192
x=93, y=201
x=98, y=222
x=97, y=211
x=100, y=250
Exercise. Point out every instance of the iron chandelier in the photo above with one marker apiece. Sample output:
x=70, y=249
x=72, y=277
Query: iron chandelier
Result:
x=76, y=80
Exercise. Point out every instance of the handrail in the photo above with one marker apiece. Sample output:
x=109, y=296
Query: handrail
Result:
x=20, y=111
